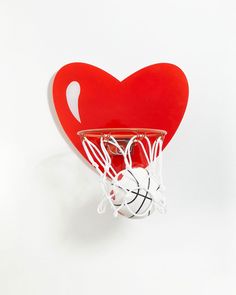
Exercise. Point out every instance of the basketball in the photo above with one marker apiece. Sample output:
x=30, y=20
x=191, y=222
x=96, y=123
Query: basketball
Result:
x=134, y=192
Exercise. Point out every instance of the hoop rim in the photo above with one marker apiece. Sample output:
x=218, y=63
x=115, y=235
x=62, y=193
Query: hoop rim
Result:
x=123, y=133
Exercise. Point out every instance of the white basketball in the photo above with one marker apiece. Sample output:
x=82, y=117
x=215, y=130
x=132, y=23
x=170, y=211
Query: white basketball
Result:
x=134, y=191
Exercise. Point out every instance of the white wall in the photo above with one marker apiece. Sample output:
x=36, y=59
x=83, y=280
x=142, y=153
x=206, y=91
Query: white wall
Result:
x=51, y=239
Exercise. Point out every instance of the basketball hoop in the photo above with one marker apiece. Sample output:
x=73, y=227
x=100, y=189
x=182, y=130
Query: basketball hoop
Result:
x=129, y=162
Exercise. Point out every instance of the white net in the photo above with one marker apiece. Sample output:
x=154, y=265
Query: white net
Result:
x=134, y=192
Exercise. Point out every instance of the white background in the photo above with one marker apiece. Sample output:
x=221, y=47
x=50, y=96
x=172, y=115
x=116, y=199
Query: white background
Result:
x=51, y=239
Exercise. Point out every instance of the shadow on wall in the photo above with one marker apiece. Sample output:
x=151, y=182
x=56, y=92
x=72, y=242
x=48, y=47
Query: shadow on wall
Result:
x=74, y=191
x=73, y=187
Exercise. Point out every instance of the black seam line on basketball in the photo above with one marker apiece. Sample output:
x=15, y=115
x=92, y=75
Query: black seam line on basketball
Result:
x=145, y=196
x=137, y=193
x=141, y=195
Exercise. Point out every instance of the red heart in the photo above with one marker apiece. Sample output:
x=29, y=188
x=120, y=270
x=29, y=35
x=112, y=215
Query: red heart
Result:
x=153, y=97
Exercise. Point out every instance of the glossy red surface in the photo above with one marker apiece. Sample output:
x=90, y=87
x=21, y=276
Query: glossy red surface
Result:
x=153, y=97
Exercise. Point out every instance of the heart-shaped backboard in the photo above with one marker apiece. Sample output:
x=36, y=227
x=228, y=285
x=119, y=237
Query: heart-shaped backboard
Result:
x=86, y=97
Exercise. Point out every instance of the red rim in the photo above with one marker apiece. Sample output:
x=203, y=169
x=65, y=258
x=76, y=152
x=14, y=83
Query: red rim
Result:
x=121, y=132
